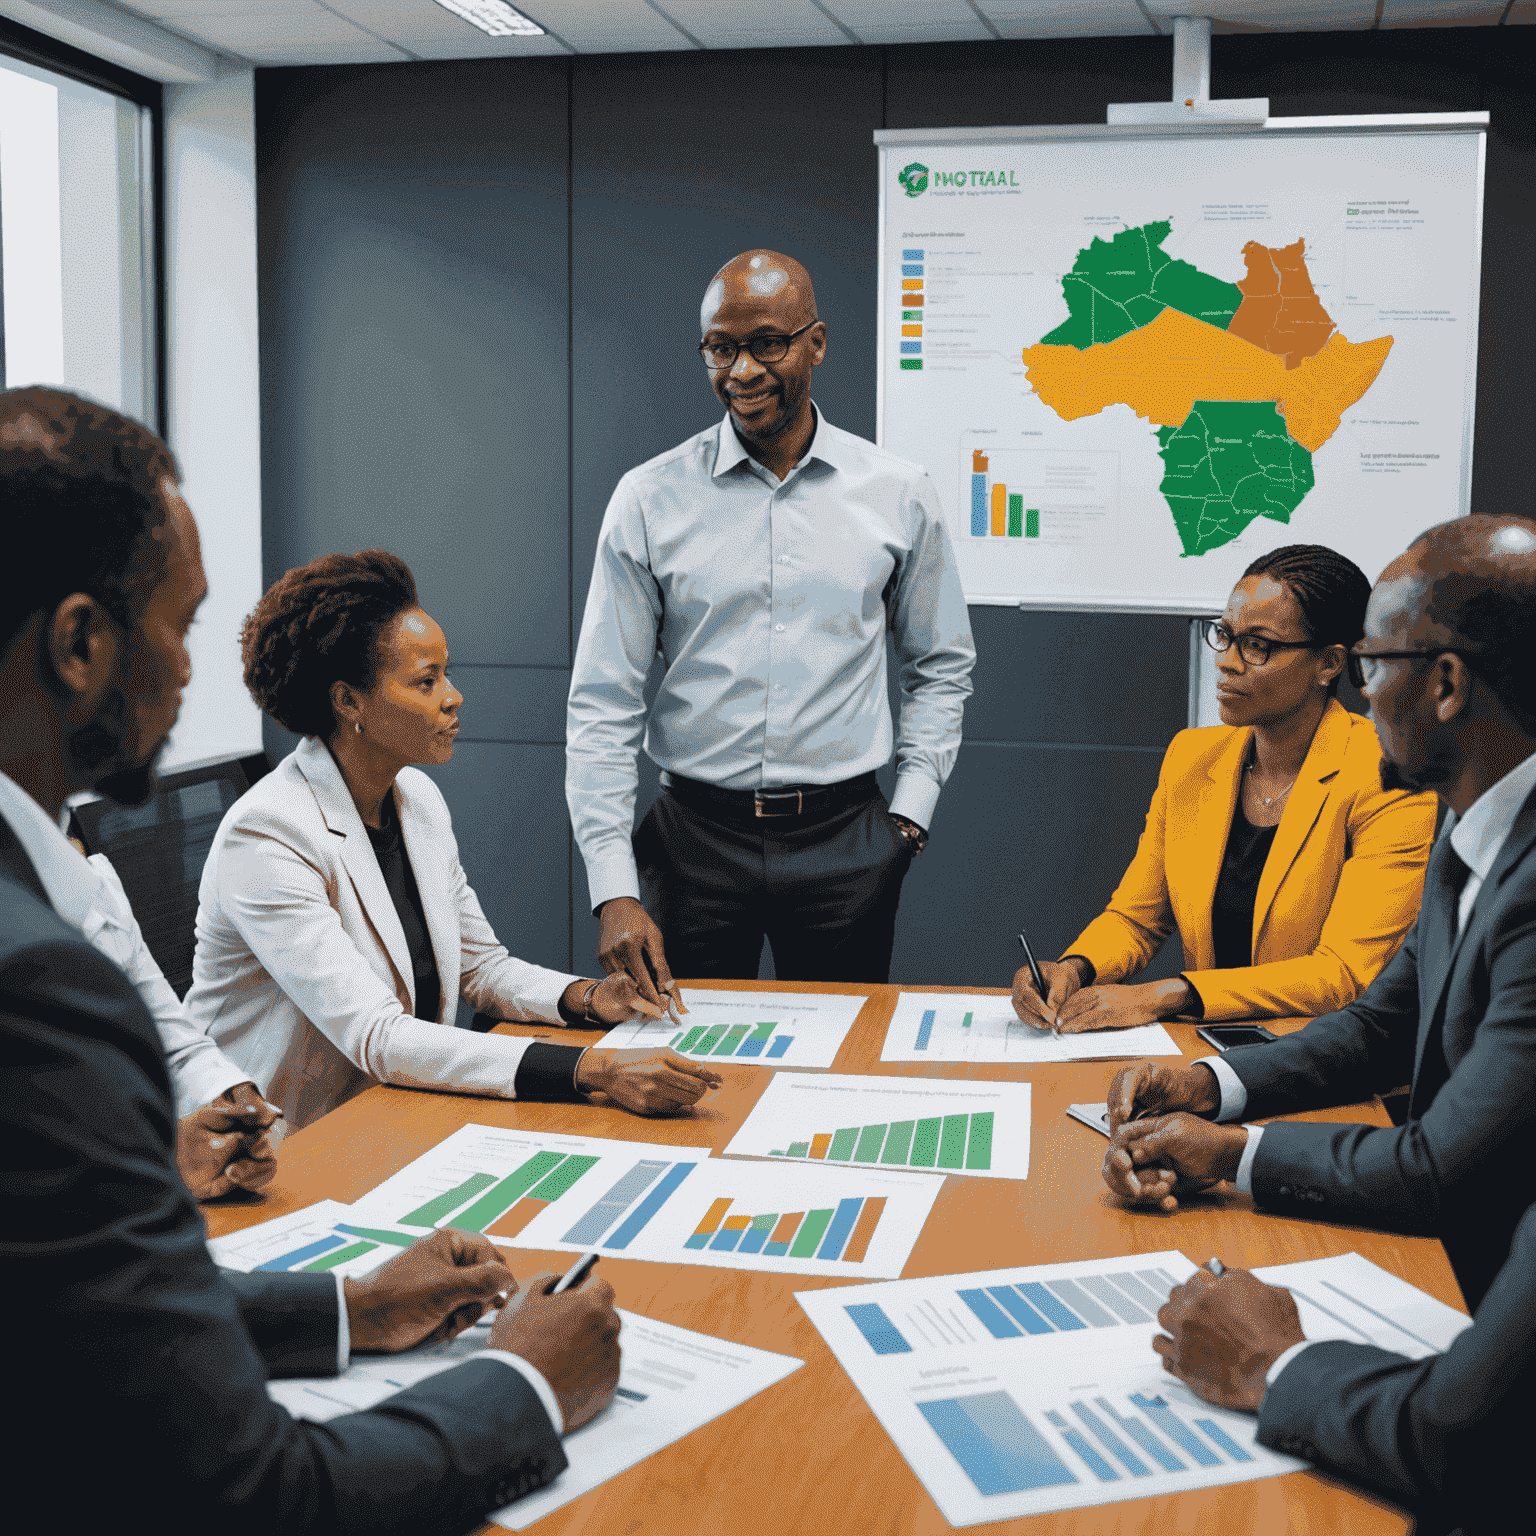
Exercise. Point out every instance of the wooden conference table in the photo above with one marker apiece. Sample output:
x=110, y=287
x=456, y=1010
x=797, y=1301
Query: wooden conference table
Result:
x=807, y=1456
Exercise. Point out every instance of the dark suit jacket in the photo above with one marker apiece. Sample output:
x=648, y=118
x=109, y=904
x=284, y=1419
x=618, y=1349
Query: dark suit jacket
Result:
x=1448, y=1436
x=1456, y=1169
x=138, y=1367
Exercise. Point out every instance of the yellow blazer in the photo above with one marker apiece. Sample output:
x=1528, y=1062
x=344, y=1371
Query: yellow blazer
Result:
x=1339, y=891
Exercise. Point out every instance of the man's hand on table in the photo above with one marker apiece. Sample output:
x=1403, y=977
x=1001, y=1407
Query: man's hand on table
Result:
x=628, y=940
x=649, y=1081
x=572, y=1340
x=1146, y=1089
x=1152, y=1162
x=225, y=1146
x=434, y=1290
x=1224, y=1335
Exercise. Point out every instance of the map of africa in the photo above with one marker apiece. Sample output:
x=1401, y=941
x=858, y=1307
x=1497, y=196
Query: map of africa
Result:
x=1244, y=381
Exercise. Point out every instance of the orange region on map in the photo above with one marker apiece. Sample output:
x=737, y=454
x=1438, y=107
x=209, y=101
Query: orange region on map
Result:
x=1161, y=369
x=1281, y=311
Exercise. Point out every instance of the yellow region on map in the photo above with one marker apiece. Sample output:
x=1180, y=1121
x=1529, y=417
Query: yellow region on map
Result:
x=1161, y=369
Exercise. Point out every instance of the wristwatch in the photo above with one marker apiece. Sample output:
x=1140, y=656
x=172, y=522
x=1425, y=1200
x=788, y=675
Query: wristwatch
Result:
x=917, y=838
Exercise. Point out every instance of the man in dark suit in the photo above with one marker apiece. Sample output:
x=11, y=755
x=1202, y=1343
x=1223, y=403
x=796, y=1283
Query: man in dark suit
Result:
x=1446, y=665
x=1448, y=1436
x=139, y=1368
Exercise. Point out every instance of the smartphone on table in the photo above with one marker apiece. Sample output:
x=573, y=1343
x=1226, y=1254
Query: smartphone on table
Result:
x=1225, y=1036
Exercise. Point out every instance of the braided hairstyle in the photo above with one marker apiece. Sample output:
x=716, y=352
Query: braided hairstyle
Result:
x=1330, y=590
x=320, y=624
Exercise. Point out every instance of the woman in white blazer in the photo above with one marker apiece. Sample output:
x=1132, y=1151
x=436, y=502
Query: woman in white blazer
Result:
x=336, y=931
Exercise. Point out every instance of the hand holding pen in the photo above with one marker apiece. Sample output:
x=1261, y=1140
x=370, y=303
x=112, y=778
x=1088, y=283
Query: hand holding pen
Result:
x=1040, y=989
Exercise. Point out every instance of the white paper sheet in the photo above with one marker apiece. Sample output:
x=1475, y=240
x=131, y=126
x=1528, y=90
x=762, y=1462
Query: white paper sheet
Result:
x=962, y=1026
x=851, y=1223
x=672, y=1382
x=1018, y=1392
x=754, y=1029
x=324, y=1236
x=980, y=1129
x=1094, y=1116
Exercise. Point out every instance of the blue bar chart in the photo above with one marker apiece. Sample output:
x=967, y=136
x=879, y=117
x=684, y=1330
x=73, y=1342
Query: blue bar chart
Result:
x=318, y=1239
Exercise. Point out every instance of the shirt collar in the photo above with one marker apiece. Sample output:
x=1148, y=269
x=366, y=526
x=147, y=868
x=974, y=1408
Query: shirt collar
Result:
x=729, y=452
x=1479, y=835
x=72, y=885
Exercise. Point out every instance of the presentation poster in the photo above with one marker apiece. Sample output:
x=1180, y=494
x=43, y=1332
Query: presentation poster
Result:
x=1132, y=365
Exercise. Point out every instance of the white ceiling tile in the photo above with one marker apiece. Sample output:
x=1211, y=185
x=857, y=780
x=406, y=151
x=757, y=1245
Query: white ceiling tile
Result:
x=755, y=23
x=910, y=21
x=285, y=38
x=1275, y=15
x=169, y=9
x=412, y=22
x=606, y=26
x=1067, y=18
x=1442, y=13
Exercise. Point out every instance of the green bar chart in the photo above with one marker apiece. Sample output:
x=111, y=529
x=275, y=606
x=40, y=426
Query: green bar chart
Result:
x=947, y=1142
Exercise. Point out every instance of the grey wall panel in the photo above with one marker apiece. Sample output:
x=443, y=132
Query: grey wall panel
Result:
x=513, y=704
x=1028, y=837
x=413, y=311
x=513, y=849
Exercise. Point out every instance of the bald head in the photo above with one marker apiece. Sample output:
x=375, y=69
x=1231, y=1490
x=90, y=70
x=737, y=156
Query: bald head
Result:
x=762, y=279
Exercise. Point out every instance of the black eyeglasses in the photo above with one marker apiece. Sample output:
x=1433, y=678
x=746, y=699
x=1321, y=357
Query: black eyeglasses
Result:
x=1364, y=673
x=766, y=349
x=1254, y=649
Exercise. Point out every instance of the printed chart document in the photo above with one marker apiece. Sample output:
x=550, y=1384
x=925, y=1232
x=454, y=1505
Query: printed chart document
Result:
x=672, y=1382
x=755, y=1029
x=324, y=1236
x=960, y=1026
x=980, y=1129
x=1022, y=1391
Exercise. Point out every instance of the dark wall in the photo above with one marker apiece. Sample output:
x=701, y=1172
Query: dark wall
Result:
x=479, y=300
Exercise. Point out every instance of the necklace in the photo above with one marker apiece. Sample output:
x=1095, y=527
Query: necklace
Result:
x=1248, y=768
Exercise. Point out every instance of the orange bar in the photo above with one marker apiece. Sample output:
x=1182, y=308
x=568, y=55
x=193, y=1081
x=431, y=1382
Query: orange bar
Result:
x=517, y=1218
x=819, y=1144
x=786, y=1228
x=864, y=1229
x=911, y=300
x=911, y=330
x=712, y=1218
x=999, y=511
x=736, y=1223
x=912, y=284
x=978, y=462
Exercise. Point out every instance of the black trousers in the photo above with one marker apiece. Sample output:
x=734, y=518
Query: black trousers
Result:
x=821, y=887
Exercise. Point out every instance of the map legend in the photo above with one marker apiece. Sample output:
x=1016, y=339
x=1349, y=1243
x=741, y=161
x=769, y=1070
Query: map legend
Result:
x=1054, y=498
x=910, y=304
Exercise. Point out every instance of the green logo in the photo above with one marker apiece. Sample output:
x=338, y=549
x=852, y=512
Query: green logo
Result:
x=914, y=179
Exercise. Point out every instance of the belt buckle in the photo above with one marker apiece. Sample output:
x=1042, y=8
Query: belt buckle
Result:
x=759, y=798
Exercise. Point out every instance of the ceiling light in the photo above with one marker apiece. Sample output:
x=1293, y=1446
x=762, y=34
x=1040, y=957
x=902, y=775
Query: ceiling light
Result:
x=494, y=16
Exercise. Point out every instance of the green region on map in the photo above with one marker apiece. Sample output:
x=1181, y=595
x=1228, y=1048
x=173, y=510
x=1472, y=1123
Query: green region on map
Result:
x=1119, y=285
x=1228, y=463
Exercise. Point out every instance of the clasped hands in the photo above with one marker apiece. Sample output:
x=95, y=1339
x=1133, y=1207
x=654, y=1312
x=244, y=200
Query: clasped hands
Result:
x=1071, y=1006
x=445, y=1283
x=227, y=1145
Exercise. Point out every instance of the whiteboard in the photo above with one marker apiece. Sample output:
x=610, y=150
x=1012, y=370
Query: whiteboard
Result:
x=1133, y=361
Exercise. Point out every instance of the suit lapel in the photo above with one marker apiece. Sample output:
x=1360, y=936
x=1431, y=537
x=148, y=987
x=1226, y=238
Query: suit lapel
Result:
x=437, y=903
x=1303, y=806
x=357, y=855
x=1211, y=827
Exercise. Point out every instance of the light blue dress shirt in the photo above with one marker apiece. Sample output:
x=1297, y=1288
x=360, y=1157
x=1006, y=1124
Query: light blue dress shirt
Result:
x=769, y=602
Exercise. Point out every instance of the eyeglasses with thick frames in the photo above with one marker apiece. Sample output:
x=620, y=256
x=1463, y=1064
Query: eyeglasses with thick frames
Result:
x=1364, y=673
x=766, y=349
x=1254, y=649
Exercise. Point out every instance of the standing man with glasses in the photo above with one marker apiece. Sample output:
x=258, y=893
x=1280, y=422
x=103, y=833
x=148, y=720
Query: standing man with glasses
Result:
x=1446, y=665
x=764, y=559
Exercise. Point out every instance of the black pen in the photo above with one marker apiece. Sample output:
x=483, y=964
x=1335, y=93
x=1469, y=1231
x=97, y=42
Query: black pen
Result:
x=1034, y=968
x=576, y=1273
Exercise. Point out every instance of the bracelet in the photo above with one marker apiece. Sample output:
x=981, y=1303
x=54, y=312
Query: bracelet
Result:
x=586, y=1004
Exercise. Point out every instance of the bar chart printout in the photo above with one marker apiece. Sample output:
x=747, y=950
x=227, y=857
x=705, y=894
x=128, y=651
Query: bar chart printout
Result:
x=487, y=1179
x=981, y=1129
x=1050, y=1396
x=958, y=1026
x=764, y=1029
x=855, y=1223
x=324, y=1237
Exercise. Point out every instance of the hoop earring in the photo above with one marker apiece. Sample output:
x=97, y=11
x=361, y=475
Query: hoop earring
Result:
x=358, y=726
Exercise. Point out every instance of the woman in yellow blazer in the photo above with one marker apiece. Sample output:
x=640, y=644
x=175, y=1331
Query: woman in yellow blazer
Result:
x=1289, y=873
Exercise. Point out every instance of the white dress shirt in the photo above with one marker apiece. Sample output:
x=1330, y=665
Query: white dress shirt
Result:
x=769, y=602
x=74, y=888
x=1478, y=838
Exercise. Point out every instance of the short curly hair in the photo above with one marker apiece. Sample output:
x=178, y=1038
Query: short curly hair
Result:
x=320, y=624
x=80, y=503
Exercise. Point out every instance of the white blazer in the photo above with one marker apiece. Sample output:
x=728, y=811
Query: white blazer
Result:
x=302, y=974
